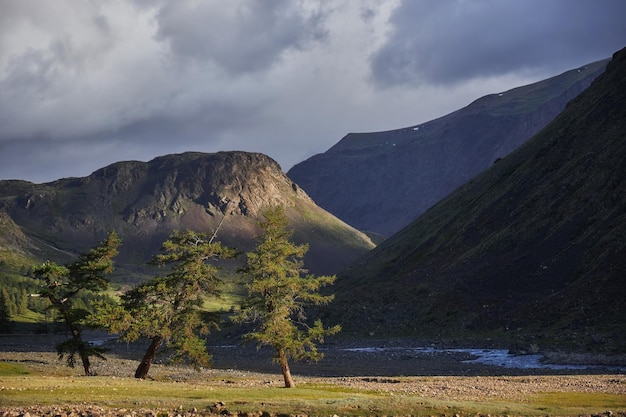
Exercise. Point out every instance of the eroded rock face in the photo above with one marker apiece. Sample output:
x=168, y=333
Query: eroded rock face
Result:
x=233, y=182
x=145, y=201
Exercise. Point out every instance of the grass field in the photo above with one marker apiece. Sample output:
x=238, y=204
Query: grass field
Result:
x=43, y=382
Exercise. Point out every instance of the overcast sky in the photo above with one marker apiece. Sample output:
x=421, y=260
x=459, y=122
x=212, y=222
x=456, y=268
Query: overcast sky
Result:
x=87, y=83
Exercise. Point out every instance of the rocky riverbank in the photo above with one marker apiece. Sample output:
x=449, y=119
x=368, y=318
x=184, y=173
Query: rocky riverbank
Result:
x=344, y=359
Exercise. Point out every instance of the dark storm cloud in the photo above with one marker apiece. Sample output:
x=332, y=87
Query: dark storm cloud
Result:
x=450, y=41
x=32, y=159
x=87, y=83
x=238, y=37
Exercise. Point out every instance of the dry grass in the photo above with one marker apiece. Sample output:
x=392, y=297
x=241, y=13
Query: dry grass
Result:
x=37, y=378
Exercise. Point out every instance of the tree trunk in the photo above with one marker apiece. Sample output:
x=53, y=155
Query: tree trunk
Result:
x=144, y=366
x=284, y=365
x=85, y=358
x=78, y=339
x=82, y=352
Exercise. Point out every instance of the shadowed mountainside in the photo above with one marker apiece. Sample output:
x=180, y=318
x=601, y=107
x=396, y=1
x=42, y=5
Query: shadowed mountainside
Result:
x=532, y=250
x=381, y=181
x=144, y=202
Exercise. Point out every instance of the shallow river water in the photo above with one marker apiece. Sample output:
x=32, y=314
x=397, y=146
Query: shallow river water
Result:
x=495, y=357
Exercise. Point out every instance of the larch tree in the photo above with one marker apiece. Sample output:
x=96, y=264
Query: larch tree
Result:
x=168, y=309
x=62, y=283
x=6, y=311
x=279, y=288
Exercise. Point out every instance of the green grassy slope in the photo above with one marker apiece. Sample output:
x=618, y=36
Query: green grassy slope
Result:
x=533, y=249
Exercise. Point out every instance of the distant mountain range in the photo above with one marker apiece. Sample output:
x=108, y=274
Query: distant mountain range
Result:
x=144, y=201
x=531, y=250
x=523, y=244
x=381, y=181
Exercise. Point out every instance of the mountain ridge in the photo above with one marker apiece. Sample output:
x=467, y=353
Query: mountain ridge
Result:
x=531, y=250
x=144, y=201
x=405, y=171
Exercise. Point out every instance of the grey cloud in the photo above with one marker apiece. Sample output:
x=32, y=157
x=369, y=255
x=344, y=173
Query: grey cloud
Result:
x=34, y=160
x=450, y=41
x=30, y=78
x=238, y=36
x=85, y=84
x=202, y=127
x=36, y=71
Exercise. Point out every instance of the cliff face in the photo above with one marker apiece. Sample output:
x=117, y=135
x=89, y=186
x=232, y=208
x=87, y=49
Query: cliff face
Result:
x=144, y=202
x=381, y=181
x=531, y=250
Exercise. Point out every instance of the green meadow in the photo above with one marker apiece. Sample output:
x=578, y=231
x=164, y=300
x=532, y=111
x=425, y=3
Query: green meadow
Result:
x=256, y=393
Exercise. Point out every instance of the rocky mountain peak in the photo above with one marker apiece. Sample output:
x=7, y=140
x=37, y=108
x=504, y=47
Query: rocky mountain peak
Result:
x=227, y=182
x=145, y=201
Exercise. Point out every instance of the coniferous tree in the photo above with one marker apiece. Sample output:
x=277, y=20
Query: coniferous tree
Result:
x=278, y=290
x=8, y=300
x=6, y=311
x=167, y=310
x=62, y=283
x=21, y=301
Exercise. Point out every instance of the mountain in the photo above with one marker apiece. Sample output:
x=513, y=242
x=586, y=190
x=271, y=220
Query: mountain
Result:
x=15, y=246
x=531, y=250
x=381, y=181
x=144, y=201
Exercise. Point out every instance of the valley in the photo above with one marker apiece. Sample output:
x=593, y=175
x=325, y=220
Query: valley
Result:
x=379, y=208
x=527, y=255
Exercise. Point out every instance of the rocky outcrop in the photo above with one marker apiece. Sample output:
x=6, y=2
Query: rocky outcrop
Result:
x=145, y=201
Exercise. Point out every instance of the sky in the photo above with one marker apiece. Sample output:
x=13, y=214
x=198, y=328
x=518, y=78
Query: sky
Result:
x=84, y=84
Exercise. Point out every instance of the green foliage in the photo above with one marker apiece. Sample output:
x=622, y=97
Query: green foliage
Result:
x=73, y=349
x=61, y=284
x=16, y=287
x=89, y=271
x=7, y=308
x=278, y=293
x=17, y=307
x=170, y=307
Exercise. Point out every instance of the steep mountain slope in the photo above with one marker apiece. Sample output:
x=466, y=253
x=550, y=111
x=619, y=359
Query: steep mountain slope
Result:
x=381, y=181
x=144, y=202
x=15, y=247
x=533, y=249
x=11, y=237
